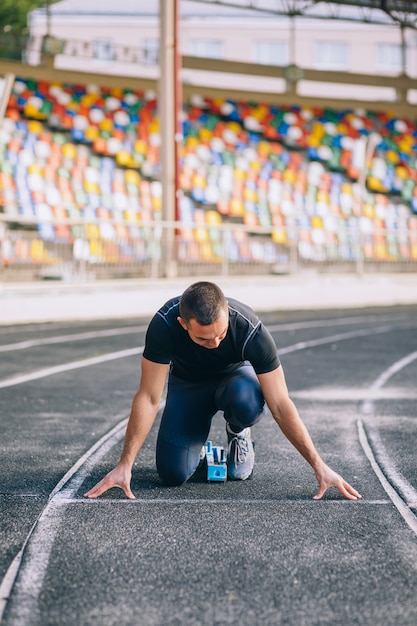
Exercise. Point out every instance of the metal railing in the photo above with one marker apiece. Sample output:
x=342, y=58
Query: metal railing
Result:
x=73, y=250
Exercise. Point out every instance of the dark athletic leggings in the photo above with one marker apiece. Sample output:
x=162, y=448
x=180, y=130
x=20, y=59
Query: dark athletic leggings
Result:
x=187, y=416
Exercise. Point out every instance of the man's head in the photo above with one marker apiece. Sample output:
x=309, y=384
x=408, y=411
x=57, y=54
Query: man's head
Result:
x=204, y=314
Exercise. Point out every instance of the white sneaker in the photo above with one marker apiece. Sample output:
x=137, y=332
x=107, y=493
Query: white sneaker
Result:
x=240, y=455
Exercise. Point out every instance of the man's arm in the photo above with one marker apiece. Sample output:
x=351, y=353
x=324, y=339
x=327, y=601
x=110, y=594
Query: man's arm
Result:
x=144, y=410
x=285, y=413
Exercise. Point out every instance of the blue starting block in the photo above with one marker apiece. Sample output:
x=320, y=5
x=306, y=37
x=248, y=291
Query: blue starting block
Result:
x=216, y=463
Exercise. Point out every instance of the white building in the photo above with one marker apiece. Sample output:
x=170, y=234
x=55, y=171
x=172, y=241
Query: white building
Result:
x=122, y=39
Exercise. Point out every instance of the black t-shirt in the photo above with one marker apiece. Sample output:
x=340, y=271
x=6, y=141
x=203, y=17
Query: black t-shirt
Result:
x=247, y=339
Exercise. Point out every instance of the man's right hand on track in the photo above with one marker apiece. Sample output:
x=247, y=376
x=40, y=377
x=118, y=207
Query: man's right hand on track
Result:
x=120, y=476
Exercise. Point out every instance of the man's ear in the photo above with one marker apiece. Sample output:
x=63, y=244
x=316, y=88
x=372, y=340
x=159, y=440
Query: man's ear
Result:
x=182, y=323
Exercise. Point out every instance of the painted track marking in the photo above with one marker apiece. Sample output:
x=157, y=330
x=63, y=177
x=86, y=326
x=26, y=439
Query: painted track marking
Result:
x=313, y=343
x=42, y=534
x=336, y=321
x=346, y=394
x=368, y=406
x=96, y=334
x=384, y=466
x=401, y=506
x=407, y=492
x=227, y=501
x=65, y=367
x=111, y=332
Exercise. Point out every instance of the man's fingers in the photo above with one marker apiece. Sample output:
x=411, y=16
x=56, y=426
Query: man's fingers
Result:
x=104, y=486
x=319, y=494
x=130, y=495
x=349, y=492
x=96, y=491
x=345, y=489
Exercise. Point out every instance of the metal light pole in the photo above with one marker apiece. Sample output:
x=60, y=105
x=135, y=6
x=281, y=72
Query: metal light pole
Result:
x=169, y=111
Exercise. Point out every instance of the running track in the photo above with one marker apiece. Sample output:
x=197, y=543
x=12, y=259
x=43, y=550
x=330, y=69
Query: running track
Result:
x=259, y=552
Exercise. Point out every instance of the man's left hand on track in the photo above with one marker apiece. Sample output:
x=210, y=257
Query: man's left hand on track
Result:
x=327, y=478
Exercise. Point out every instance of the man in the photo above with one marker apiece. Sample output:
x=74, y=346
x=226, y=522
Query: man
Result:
x=218, y=356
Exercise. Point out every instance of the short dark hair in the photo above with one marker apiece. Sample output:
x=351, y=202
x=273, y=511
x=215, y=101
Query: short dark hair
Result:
x=203, y=302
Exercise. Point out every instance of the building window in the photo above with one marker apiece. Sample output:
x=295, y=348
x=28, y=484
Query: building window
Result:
x=207, y=48
x=103, y=50
x=150, y=51
x=331, y=55
x=271, y=52
x=388, y=56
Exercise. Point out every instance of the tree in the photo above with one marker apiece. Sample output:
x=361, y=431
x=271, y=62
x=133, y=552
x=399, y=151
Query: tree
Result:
x=13, y=14
x=13, y=26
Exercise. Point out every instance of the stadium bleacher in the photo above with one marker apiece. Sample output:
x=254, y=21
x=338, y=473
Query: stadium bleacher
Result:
x=89, y=156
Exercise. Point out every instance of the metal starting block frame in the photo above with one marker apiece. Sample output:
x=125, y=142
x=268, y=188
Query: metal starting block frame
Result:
x=216, y=463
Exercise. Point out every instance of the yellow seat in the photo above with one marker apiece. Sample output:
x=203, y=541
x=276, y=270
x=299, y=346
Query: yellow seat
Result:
x=279, y=236
x=132, y=177
x=35, y=127
x=106, y=124
x=69, y=151
x=316, y=221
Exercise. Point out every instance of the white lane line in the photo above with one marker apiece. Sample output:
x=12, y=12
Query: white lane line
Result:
x=66, y=367
x=302, y=345
x=401, y=484
x=368, y=405
x=111, y=332
x=46, y=341
x=393, y=369
x=401, y=506
x=29, y=328
x=354, y=394
x=58, y=369
x=337, y=321
x=220, y=500
x=38, y=543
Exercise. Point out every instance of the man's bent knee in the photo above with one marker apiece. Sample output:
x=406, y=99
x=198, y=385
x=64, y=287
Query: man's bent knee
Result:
x=172, y=479
x=244, y=402
x=175, y=465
